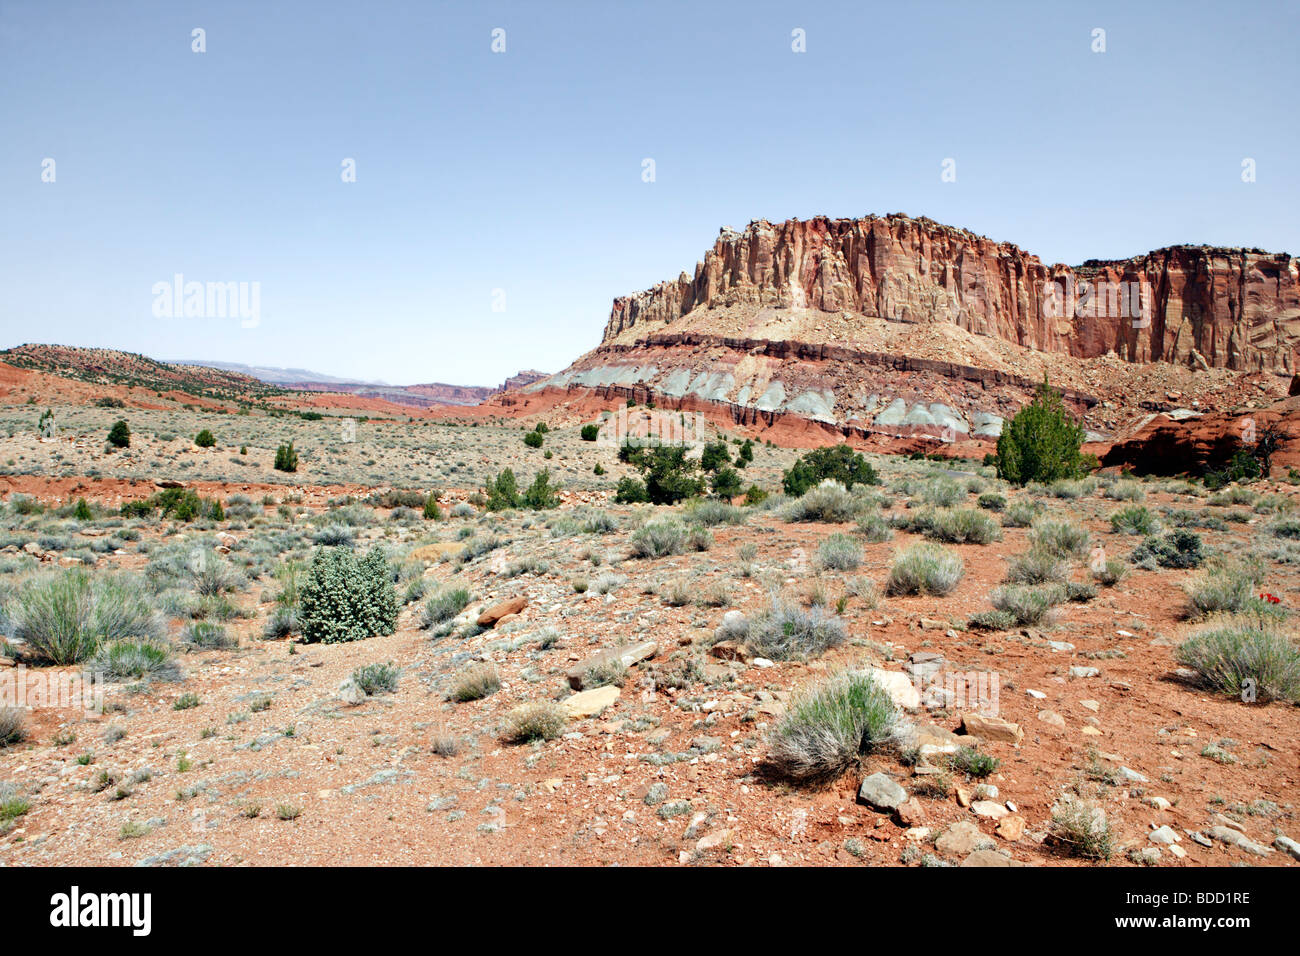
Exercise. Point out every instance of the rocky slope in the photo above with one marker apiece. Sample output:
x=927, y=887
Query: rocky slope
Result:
x=893, y=325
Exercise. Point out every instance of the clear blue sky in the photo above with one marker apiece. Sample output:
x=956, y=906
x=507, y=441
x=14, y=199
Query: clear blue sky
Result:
x=522, y=171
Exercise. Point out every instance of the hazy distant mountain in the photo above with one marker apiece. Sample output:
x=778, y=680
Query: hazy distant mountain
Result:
x=282, y=376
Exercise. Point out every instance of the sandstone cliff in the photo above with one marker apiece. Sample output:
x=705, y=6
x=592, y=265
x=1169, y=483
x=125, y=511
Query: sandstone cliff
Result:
x=1226, y=308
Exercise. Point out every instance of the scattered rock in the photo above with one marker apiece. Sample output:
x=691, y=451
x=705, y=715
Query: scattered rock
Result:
x=992, y=728
x=881, y=792
x=494, y=614
x=628, y=655
x=961, y=839
x=589, y=703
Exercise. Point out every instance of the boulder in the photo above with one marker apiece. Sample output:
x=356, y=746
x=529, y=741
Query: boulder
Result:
x=494, y=614
x=629, y=654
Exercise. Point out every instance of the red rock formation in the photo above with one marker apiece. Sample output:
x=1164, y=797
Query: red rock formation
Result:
x=1229, y=308
x=1193, y=446
x=520, y=380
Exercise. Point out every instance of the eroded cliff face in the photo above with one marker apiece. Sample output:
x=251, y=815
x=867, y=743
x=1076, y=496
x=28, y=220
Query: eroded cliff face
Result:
x=1202, y=306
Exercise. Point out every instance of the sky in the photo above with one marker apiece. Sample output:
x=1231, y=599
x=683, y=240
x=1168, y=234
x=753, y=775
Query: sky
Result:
x=501, y=199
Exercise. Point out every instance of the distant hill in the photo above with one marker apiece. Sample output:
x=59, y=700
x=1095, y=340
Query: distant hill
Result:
x=111, y=367
x=281, y=376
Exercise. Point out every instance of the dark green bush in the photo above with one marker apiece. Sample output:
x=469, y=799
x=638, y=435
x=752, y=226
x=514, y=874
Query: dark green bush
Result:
x=346, y=599
x=119, y=436
x=590, y=432
x=286, y=459
x=533, y=439
x=503, y=491
x=205, y=439
x=540, y=494
x=1042, y=442
x=839, y=463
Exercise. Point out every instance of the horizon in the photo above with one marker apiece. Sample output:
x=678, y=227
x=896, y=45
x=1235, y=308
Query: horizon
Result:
x=500, y=200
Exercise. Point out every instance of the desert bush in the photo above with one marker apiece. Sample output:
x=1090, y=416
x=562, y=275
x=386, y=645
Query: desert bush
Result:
x=1126, y=491
x=65, y=618
x=334, y=536
x=958, y=525
x=346, y=599
x=503, y=491
x=1080, y=591
x=668, y=475
x=444, y=606
x=658, y=538
x=1059, y=537
x=992, y=502
x=280, y=623
x=1244, y=656
x=925, y=569
x=1229, y=588
x=1177, y=549
x=590, y=432
x=208, y=635
x=12, y=729
x=377, y=678
x=132, y=658
x=992, y=620
x=1022, y=514
x=839, y=552
x=787, y=632
x=942, y=493
x=1041, y=443
x=828, y=726
x=1109, y=572
x=875, y=528
x=1029, y=605
x=840, y=464
x=533, y=439
x=1036, y=566
x=828, y=501
x=1081, y=829
x=711, y=512
x=970, y=761
x=538, y=720
x=1136, y=520
x=205, y=439
x=1285, y=528
x=606, y=672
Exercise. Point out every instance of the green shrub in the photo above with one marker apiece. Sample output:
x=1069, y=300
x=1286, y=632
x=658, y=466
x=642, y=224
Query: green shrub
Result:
x=714, y=455
x=65, y=618
x=992, y=621
x=839, y=552
x=286, y=458
x=630, y=491
x=377, y=678
x=540, y=495
x=208, y=635
x=1022, y=514
x=503, y=491
x=119, y=436
x=431, y=510
x=840, y=464
x=1036, y=566
x=828, y=726
x=1059, y=538
x=1177, y=549
x=658, y=538
x=787, y=632
x=875, y=528
x=1134, y=521
x=1109, y=573
x=970, y=761
x=1244, y=657
x=533, y=439
x=828, y=501
x=205, y=439
x=134, y=658
x=1227, y=589
x=726, y=483
x=992, y=502
x=1126, y=491
x=958, y=525
x=1041, y=443
x=346, y=599
x=1029, y=605
x=925, y=569
x=590, y=432
x=444, y=605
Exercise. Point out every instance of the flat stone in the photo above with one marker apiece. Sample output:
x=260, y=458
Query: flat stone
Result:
x=1011, y=828
x=1081, y=672
x=1235, y=838
x=589, y=703
x=1053, y=718
x=881, y=792
x=629, y=655
x=961, y=839
x=992, y=728
x=989, y=809
x=989, y=858
x=1288, y=846
x=898, y=685
x=494, y=614
x=1165, y=836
